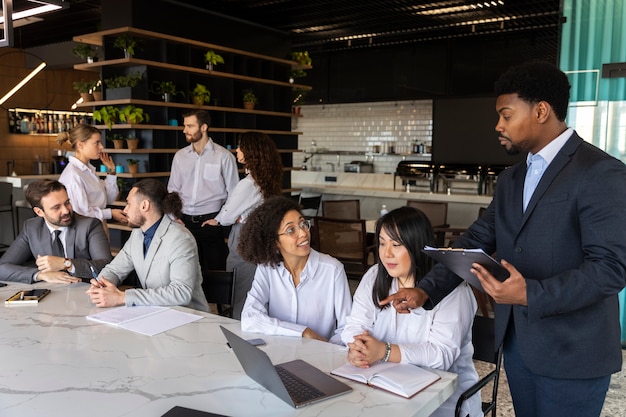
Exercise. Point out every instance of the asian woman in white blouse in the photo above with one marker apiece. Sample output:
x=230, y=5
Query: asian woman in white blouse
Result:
x=88, y=194
x=297, y=291
x=440, y=338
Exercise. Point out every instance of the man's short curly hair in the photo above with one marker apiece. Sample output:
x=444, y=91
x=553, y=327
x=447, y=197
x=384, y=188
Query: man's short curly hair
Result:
x=259, y=234
x=537, y=81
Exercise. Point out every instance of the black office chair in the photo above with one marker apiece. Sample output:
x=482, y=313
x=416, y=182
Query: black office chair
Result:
x=219, y=289
x=483, y=338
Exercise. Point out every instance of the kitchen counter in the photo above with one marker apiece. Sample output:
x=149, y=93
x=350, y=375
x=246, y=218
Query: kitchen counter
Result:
x=374, y=190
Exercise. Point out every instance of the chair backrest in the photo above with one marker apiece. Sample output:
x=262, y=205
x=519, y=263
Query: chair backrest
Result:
x=345, y=240
x=219, y=288
x=483, y=339
x=6, y=196
x=310, y=205
x=342, y=209
x=436, y=211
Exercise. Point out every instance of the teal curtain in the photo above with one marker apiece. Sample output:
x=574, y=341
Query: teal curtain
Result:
x=594, y=34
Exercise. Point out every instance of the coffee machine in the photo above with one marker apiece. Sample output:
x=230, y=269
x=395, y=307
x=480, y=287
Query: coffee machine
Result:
x=59, y=161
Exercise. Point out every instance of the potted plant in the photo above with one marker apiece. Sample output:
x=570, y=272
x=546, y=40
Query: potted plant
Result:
x=132, y=141
x=249, y=99
x=126, y=43
x=85, y=51
x=107, y=114
x=84, y=89
x=166, y=89
x=96, y=91
x=133, y=166
x=200, y=95
x=211, y=59
x=133, y=115
x=118, y=141
x=125, y=86
x=304, y=60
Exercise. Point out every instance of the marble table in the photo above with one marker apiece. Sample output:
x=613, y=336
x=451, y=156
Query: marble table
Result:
x=56, y=363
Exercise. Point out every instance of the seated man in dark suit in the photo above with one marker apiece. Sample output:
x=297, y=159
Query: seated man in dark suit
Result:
x=58, y=245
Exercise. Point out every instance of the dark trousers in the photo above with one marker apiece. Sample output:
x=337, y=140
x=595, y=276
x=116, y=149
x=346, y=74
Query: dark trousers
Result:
x=540, y=396
x=212, y=248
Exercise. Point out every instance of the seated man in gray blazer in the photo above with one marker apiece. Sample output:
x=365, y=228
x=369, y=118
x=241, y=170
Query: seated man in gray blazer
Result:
x=38, y=254
x=162, y=252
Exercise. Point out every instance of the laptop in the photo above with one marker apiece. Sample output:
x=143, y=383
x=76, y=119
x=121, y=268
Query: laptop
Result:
x=297, y=383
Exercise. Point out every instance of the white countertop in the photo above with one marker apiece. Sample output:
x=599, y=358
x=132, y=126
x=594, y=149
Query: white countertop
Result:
x=56, y=363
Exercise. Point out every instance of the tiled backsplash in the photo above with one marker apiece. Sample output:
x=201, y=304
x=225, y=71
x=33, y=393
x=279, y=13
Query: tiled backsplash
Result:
x=360, y=127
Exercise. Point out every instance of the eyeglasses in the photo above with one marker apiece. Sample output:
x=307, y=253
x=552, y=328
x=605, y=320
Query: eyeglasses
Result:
x=304, y=225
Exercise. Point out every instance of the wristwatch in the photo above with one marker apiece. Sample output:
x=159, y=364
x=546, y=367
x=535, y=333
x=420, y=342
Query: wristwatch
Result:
x=67, y=264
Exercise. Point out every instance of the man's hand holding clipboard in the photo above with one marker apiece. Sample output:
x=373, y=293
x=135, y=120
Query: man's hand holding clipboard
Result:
x=460, y=261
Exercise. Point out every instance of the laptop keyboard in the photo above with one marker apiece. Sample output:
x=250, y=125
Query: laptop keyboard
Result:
x=299, y=390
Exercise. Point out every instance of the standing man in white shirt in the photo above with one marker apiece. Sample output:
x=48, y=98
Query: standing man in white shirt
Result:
x=204, y=174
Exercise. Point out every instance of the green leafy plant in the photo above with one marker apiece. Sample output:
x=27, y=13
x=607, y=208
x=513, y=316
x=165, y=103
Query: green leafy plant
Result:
x=202, y=94
x=126, y=43
x=132, y=161
x=166, y=87
x=301, y=57
x=85, y=51
x=133, y=115
x=107, y=114
x=83, y=86
x=130, y=80
x=249, y=96
x=210, y=57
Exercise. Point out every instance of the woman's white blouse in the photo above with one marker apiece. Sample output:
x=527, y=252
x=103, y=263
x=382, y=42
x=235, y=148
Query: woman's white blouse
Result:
x=440, y=338
x=88, y=194
x=244, y=198
x=321, y=301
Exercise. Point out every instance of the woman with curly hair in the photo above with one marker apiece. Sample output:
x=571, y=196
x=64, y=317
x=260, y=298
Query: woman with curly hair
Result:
x=297, y=291
x=440, y=338
x=264, y=173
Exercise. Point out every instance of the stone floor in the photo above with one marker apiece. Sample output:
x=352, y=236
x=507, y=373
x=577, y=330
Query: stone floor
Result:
x=614, y=406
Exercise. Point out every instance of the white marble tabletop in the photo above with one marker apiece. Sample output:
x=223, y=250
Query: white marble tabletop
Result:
x=56, y=363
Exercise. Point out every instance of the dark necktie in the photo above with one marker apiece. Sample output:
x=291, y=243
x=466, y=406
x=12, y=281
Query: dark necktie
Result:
x=57, y=245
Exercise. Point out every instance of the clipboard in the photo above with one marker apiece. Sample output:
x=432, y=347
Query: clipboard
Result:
x=459, y=261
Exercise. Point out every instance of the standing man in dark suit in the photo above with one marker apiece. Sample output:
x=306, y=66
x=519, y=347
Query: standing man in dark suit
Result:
x=557, y=222
x=57, y=245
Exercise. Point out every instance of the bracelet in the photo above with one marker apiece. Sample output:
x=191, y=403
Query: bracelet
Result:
x=387, y=352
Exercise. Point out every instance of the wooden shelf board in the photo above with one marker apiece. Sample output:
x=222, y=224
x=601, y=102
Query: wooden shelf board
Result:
x=175, y=67
x=155, y=103
x=213, y=129
x=96, y=39
x=141, y=150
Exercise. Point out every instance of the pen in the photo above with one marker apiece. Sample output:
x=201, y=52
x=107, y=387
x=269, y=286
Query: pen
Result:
x=22, y=296
x=94, y=274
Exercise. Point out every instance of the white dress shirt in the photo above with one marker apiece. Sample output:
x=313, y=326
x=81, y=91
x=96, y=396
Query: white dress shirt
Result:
x=440, y=338
x=203, y=181
x=321, y=301
x=244, y=198
x=88, y=194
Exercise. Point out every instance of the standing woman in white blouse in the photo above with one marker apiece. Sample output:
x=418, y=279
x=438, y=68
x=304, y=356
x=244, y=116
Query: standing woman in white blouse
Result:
x=88, y=194
x=264, y=173
x=440, y=338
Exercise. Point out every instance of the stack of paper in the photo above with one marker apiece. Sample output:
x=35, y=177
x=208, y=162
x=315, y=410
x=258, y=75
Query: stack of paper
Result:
x=148, y=320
